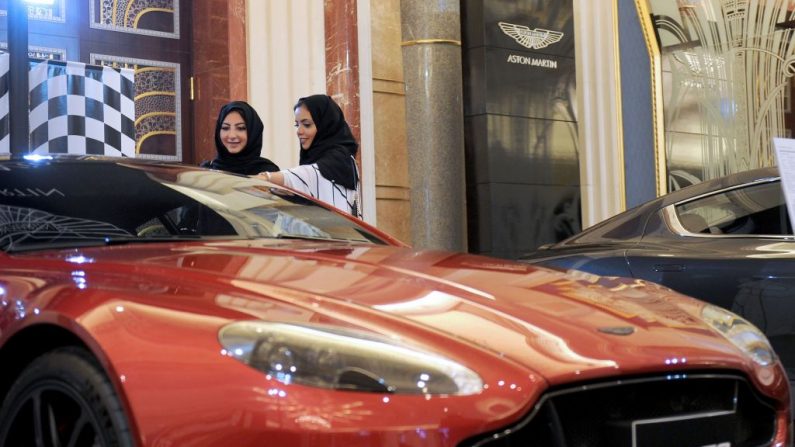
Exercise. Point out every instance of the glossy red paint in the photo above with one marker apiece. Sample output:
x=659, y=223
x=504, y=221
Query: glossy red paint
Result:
x=151, y=313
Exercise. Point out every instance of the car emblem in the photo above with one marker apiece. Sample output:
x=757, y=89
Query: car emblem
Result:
x=617, y=330
x=534, y=39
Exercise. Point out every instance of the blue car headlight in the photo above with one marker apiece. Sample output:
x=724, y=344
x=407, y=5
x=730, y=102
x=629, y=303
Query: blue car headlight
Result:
x=335, y=358
x=740, y=333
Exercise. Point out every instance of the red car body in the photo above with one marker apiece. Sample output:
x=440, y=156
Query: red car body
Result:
x=150, y=314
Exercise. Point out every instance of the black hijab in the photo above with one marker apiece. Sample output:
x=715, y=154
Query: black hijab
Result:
x=248, y=160
x=333, y=145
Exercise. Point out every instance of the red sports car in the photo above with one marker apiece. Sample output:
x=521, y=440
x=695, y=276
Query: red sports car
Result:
x=154, y=304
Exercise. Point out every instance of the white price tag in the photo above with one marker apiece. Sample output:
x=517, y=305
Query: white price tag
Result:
x=785, y=154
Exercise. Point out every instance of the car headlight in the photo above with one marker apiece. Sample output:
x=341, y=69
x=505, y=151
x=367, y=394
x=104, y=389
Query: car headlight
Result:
x=330, y=357
x=741, y=333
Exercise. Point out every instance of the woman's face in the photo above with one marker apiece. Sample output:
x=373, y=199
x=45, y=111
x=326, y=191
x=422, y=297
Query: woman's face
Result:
x=305, y=127
x=233, y=132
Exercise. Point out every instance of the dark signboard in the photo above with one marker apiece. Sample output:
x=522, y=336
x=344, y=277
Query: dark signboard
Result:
x=521, y=127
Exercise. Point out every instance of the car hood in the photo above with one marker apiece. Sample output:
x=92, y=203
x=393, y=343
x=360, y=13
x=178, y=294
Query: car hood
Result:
x=559, y=326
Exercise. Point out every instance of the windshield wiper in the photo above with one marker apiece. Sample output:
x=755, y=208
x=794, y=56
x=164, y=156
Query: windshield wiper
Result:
x=65, y=243
x=315, y=238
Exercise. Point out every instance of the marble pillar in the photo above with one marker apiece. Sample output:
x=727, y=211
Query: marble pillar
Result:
x=220, y=64
x=431, y=35
x=342, y=59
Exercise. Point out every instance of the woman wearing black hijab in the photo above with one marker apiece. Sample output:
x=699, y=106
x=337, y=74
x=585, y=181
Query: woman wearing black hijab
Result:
x=238, y=141
x=327, y=168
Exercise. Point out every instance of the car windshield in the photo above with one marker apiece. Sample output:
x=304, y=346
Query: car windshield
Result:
x=81, y=202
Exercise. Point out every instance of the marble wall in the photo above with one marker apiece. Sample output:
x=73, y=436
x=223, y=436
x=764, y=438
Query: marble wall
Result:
x=389, y=121
x=523, y=181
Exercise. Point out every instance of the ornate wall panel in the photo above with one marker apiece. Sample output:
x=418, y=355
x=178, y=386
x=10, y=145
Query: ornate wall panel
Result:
x=158, y=133
x=148, y=17
x=727, y=77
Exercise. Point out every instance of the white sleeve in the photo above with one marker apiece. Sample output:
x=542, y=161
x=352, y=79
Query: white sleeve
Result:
x=308, y=180
x=302, y=178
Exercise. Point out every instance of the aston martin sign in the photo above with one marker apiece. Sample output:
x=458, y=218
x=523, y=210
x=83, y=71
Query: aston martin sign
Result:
x=533, y=61
x=533, y=39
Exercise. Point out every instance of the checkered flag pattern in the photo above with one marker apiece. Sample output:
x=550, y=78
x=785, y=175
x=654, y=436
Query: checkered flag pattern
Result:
x=81, y=109
x=5, y=141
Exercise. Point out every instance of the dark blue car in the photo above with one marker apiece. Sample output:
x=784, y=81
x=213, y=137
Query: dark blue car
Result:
x=726, y=241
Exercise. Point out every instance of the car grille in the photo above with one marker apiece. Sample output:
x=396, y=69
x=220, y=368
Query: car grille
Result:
x=685, y=410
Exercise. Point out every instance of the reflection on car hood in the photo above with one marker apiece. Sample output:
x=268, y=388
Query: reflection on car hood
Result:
x=563, y=327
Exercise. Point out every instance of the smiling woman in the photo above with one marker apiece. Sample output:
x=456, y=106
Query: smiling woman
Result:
x=238, y=141
x=327, y=168
x=233, y=133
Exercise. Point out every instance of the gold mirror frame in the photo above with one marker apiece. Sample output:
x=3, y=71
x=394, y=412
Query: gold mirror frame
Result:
x=658, y=124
